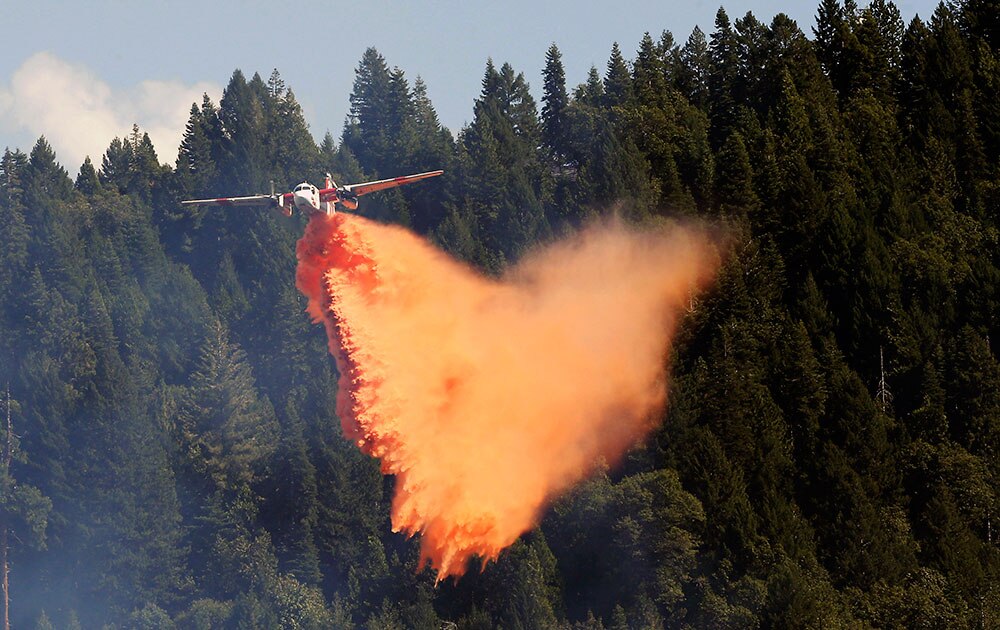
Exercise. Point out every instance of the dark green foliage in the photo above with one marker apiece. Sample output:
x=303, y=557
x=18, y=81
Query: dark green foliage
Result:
x=226, y=431
x=734, y=179
x=829, y=457
x=617, y=81
x=723, y=78
x=87, y=181
x=691, y=75
x=555, y=101
x=502, y=170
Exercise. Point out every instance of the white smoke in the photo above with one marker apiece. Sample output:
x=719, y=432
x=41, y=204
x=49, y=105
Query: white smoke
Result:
x=79, y=113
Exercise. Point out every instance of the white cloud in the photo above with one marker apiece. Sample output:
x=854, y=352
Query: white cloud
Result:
x=79, y=114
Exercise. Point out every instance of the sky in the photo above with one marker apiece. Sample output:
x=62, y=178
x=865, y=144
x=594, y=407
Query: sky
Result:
x=81, y=73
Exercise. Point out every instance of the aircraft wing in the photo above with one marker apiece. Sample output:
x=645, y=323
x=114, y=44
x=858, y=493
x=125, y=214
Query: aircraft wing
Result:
x=252, y=200
x=369, y=187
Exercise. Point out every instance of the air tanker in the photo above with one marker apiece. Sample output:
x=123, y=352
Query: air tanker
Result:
x=310, y=200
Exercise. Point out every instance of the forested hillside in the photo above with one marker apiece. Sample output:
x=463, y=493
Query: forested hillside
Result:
x=831, y=451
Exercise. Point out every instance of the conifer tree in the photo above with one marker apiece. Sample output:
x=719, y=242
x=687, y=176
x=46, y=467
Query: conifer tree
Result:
x=592, y=92
x=13, y=226
x=617, y=80
x=649, y=73
x=367, y=128
x=116, y=164
x=723, y=78
x=44, y=177
x=24, y=511
x=734, y=178
x=694, y=69
x=508, y=177
x=87, y=181
x=554, y=103
x=294, y=153
x=227, y=429
x=327, y=151
x=242, y=122
x=195, y=168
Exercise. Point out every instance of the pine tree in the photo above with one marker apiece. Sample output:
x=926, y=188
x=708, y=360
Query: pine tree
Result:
x=292, y=504
x=617, y=80
x=87, y=181
x=555, y=100
x=694, y=69
x=368, y=124
x=14, y=229
x=144, y=167
x=649, y=85
x=973, y=392
x=24, y=511
x=241, y=117
x=434, y=149
x=879, y=31
x=44, y=177
x=734, y=178
x=723, y=78
x=227, y=429
x=293, y=153
x=195, y=167
x=116, y=165
x=507, y=177
x=592, y=92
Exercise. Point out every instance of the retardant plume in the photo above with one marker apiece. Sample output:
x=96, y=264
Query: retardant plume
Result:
x=488, y=398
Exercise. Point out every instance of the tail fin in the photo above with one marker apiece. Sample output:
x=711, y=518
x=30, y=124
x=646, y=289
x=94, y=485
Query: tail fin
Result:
x=329, y=183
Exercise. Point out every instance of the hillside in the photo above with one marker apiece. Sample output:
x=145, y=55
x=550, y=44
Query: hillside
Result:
x=830, y=453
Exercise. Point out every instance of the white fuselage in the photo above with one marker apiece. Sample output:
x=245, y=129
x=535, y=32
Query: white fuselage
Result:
x=307, y=199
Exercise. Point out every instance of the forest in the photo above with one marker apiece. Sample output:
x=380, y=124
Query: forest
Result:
x=830, y=453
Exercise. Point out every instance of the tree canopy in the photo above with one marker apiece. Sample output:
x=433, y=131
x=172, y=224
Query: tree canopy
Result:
x=830, y=455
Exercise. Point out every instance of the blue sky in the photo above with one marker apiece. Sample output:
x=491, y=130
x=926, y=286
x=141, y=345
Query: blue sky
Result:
x=83, y=72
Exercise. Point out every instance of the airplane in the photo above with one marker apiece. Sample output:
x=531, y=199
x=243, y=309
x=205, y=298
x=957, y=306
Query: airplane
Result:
x=311, y=200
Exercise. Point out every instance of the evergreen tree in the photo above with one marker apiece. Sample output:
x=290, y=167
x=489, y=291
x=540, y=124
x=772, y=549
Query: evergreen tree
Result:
x=694, y=69
x=44, y=177
x=195, y=167
x=506, y=173
x=24, y=510
x=241, y=117
x=555, y=100
x=13, y=226
x=227, y=429
x=592, y=92
x=116, y=165
x=367, y=128
x=828, y=457
x=294, y=153
x=617, y=80
x=723, y=78
x=87, y=181
x=293, y=502
x=734, y=178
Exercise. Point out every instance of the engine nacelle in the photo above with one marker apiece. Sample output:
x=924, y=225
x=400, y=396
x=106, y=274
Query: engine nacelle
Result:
x=349, y=204
x=280, y=209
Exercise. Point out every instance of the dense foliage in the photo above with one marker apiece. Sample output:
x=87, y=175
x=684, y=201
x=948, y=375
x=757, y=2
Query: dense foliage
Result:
x=830, y=454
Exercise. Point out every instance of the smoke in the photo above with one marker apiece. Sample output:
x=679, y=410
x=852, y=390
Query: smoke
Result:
x=488, y=398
